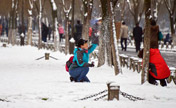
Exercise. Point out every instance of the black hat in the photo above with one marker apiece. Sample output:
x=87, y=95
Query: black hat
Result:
x=81, y=42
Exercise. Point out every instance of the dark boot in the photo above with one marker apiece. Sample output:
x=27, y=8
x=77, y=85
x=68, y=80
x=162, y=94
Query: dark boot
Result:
x=72, y=79
x=152, y=80
x=163, y=82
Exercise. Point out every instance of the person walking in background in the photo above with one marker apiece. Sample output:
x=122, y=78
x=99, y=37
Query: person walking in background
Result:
x=78, y=31
x=44, y=32
x=90, y=33
x=61, y=32
x=137, y=33
x=0, y=29
x=124, y=36
x=167, y=39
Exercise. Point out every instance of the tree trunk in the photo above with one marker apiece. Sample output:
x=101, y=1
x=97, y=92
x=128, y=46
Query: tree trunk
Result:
x=146, y=53
x=172, y=24
x=71, y=45
x=66, y=37
x=101, y=51
x=104, y=39
x=87, y=17
x=40, y=26
x=112, y=37
x=29, y=34
x=12, y=31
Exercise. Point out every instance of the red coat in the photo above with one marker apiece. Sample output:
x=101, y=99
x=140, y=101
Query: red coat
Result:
x=158, y=66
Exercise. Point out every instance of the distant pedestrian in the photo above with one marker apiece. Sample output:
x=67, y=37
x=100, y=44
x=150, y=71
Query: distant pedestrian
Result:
x=124, y=36
x=7, y=27
x=44, y=32
x=137, y=33
x=78, y=31
x=61, y=32
x=0, y=29
x=167, y=39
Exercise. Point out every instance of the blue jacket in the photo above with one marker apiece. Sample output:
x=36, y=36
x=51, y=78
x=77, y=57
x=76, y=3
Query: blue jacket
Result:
x=81, y=57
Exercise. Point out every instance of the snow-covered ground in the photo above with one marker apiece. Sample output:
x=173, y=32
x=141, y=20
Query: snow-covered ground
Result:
x=24, y=82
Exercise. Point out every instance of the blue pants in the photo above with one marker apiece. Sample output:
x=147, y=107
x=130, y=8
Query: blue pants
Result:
x=80, y=73
x=124, y=40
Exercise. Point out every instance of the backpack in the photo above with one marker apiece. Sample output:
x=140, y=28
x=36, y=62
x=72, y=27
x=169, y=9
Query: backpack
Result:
x=68, y=63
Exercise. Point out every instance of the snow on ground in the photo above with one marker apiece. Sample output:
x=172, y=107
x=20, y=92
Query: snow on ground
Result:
x=24, y=82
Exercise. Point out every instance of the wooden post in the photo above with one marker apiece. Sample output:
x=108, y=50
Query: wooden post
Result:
x=167, y=45
x=113, y=91
x=4, y=45
x=47, y=56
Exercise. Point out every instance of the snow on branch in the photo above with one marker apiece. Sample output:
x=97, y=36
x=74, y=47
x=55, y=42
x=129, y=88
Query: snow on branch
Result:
x=31, y=4
x=13, y=4
x=128, y=1
x=54, y=5
x=63, y=2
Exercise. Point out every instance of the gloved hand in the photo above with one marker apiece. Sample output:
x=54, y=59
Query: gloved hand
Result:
x=92, y=64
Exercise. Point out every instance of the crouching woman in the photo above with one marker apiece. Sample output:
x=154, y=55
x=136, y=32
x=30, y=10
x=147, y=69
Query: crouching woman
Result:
x=80, y=66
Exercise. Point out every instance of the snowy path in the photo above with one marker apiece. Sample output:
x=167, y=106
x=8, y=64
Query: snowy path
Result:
x=25, y=81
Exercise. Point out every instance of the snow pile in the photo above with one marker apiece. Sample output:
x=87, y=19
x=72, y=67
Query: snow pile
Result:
x=30, y=83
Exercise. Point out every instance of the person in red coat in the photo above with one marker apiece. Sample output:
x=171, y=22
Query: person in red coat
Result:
x=158, y=69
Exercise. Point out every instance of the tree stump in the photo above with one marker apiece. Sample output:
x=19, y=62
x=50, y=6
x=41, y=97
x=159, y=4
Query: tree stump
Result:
x=167, y=45
x=4, y=45
x=131, y=62
x=172, y=75
x=47, y=55
x=113, y=91
x=172, y=46
x=139, y=65
x=135, y=64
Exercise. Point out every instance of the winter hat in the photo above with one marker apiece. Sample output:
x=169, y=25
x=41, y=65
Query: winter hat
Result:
x=81, y=42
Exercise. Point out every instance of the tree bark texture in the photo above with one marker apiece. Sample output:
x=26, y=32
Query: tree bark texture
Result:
x=146, y=53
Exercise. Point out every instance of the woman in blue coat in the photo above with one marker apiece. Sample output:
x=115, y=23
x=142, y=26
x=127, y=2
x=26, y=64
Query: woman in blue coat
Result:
x=80, y=66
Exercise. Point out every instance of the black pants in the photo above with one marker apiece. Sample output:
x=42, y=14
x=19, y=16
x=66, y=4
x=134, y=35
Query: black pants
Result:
x=152, y=80
x=124, y=40
x=138, y=45
x=61, y=37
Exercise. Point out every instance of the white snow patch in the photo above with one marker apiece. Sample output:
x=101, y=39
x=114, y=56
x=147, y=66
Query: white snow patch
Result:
x=72, y=40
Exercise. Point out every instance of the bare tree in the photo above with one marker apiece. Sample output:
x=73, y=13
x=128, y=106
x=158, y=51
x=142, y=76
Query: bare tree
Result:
x=88, y=6
x=104, y=35
x=67, y=10
x=111, y=8
x=108, y=51
x=40, y=7
x=171, y=7
x=136, y=8
x=71, y=45
x=146, y=53
x=121, y=7
x=155, y=8
x=54, y=15
x=12, y=31
x=29, y=34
